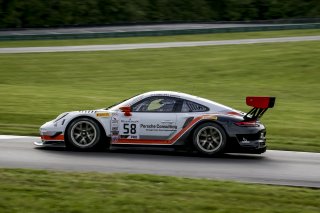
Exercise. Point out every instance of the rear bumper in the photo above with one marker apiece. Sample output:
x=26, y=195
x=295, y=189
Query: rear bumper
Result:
x=248, y=143
x=248, y=150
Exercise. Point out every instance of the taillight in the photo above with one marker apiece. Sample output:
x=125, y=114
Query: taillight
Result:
x=247, y=123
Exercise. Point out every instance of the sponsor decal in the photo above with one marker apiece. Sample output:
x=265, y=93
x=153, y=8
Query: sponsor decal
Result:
x=114, y=138
x=103, y=114
x=210, y=117
x=114, y=128
x=158, y=127
x=115, y=118
x=128, y=137
x=165, y=95
x=244, y=140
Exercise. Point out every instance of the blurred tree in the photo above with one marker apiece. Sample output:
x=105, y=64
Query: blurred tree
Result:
x=109, y=10
x=218, y=8
x=33, y=13
x=86, y=12
x=2, y=13
x=11, y=14
x=37, y=13
x=179, y=10
x=289, y=9
x=134, y=10
x=315, y=9
x=240, y=10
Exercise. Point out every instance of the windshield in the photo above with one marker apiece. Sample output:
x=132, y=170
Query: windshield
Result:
x=126, y=102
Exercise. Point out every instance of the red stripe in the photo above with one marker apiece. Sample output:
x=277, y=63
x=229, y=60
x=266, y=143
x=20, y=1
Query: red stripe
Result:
x=177, y=136
x=142, y=141
x=50, y=138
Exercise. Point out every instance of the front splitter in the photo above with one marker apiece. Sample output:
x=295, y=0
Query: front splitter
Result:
x=49, y=144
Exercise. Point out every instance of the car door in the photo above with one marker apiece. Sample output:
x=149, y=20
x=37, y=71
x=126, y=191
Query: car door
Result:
x=153, y=120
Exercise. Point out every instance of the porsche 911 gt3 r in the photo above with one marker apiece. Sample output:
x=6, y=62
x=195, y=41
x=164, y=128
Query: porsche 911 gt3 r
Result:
x=163, y=118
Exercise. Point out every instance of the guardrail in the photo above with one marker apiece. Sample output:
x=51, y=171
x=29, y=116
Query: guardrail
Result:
x=159, y=32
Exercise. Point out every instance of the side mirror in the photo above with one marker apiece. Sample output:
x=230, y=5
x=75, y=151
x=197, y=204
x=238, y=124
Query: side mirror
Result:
x=126, y=110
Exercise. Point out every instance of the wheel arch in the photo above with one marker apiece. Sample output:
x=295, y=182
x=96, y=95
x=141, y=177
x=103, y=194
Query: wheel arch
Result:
x=189, y=134
x=215, y=149
x=85, y=116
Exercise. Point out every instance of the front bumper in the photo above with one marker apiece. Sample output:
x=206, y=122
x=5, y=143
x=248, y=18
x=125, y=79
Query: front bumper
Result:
x=50, y=139
x=51, y=136
x=53, y=139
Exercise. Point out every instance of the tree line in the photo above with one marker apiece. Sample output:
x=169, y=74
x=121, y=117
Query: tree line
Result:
x=47, y=13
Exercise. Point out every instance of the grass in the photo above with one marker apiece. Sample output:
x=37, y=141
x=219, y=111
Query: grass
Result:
x=46, y=191
x=199, y=37
x=36, y=87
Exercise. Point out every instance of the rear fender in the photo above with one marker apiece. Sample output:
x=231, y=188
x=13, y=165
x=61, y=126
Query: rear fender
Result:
x=186, y=138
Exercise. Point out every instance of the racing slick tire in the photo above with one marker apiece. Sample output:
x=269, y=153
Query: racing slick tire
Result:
x=209, y=139
x=84, y=134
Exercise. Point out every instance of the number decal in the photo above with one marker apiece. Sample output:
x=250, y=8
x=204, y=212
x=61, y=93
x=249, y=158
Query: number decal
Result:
x=129, y=128
x=132, y=128
x=126, y=128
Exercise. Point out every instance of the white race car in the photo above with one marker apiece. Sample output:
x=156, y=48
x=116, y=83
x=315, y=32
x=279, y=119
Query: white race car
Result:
x=162, y=118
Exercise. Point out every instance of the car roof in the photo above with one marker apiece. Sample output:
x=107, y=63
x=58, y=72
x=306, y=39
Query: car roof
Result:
x=213, y=106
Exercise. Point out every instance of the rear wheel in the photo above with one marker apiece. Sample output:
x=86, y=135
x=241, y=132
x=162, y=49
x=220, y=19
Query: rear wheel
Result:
x=83, y=134
x=209, y=139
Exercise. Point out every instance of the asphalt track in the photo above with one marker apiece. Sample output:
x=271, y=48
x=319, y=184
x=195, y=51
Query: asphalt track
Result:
x=154, y=45
x=272, y=167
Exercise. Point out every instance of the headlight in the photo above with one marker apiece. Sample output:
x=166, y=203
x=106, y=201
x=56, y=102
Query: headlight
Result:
x=61, y=116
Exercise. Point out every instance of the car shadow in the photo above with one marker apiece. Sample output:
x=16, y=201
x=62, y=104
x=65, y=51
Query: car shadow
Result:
x=165, y=152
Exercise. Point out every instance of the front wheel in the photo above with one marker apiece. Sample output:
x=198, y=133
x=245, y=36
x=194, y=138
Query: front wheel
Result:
x=83, y=134
x=209, y=139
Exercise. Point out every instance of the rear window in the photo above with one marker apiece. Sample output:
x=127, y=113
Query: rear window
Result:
x=189, y=106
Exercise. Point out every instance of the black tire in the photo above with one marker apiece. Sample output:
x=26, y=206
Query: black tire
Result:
x=209, y=139
x=84, y=134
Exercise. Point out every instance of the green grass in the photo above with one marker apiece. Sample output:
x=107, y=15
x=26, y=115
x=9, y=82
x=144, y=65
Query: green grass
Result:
x=37, y=87
x=46, y=191
x=200, y=37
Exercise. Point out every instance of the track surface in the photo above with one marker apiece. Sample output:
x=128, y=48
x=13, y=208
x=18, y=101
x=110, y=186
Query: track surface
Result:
x=272, y=167
x=154, y=45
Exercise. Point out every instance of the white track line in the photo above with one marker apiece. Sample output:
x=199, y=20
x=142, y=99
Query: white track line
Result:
x=4, y=137
x=154, y=45
x=18, y=138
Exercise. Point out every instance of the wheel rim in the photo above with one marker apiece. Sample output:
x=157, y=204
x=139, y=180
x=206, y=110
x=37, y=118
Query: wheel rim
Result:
x=83, y=134
x=209, y=139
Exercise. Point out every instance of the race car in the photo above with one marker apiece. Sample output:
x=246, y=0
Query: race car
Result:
x=163, y=119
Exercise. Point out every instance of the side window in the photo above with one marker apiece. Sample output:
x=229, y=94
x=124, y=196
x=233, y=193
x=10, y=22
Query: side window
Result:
x=155, y=104
x=189, y=106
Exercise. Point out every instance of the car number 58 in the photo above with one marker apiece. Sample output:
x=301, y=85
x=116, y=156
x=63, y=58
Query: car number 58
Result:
x=129, y=129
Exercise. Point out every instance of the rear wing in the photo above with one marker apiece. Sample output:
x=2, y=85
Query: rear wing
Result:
x=260, y=106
